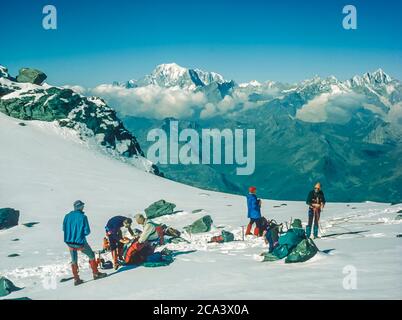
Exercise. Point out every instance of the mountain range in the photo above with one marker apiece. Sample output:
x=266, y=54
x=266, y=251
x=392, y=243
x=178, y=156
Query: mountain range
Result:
x=346, y=134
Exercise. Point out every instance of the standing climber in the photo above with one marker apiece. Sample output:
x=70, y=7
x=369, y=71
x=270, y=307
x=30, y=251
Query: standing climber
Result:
x=315, y=202
x=115, y=237
x=76, y=228
x=254, y=212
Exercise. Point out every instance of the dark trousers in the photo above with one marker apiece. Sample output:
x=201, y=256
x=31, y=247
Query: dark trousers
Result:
x=114, y=241
x=271, y=242
x=257, y=222
x=313, y=215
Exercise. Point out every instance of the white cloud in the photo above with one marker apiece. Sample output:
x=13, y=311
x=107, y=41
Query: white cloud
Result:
x=152, y=101
x=158, y=102
x=331, y=107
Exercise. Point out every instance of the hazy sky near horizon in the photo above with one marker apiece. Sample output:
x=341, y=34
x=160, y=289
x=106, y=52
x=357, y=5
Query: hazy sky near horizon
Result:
x=102, y=41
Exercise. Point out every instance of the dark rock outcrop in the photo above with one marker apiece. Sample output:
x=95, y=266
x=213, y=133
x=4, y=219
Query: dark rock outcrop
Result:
x=8, y=218
x=91, y=117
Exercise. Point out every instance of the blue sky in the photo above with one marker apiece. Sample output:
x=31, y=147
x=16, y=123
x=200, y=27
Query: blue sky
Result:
x=102, y=41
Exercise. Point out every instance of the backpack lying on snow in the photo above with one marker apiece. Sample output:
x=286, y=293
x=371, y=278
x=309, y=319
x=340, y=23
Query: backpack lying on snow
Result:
x=157, y=259
x=201, y=225
x=225, y=236
x=159, y=208
x=304, y=251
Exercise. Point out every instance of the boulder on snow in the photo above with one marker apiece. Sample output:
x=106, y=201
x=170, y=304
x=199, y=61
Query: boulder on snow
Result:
x=304, y=251
x=201, y=225
x=159, y=208
x=31, y=75
x=6, y=287
x=8, y=218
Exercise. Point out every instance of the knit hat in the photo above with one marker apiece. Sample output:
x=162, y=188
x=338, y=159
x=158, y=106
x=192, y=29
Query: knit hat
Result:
x=79, y=205
x=297, y=224
x=252, y=189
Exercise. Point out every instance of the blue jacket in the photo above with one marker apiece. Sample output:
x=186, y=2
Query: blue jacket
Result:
x=114, y=224
x=76, y=228
x=254, y=211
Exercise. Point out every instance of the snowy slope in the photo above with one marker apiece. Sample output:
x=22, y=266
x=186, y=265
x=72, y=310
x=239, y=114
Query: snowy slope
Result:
x=44, y=168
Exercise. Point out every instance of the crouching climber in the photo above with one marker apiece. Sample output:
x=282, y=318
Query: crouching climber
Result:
x=76, y=228
x=254, y=212
x=288, y=241
x=271, y=233
x=143, y=246
x=115, y=237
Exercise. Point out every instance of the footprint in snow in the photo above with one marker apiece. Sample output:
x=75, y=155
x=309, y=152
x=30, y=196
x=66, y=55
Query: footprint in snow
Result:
x=204, y=194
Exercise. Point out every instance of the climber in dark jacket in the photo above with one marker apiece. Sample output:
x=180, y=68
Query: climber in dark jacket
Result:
x=76, y=228
x=253, y=212
x=114, y=234
x=316, y=202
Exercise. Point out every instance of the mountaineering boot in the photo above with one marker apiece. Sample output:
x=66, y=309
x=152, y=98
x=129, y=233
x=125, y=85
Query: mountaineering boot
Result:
x=257, y=231
x=94, y=266
x=315, y=231
x=77, y=280
x=308, y=231
x=248, y=230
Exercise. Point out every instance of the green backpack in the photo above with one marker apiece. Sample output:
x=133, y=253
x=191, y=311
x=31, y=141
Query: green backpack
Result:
x=201, y=225
x=304, y=251
x=227, y=236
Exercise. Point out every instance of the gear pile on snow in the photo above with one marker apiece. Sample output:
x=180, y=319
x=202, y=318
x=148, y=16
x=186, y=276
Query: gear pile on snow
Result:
x=201, y=225
x=225, y=236
x=304, y=251
x=159, y=208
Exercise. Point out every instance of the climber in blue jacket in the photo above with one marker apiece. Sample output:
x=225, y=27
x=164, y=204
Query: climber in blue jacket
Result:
x=254, y=212
x=76, y=228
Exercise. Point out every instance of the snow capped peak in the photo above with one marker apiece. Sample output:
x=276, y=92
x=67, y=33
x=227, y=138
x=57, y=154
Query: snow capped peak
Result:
x=252, y=83
x=376, y=77
x=209, y=77
x=173, y=75
x=379, y=76
x=172, y=70
x=332, y=78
